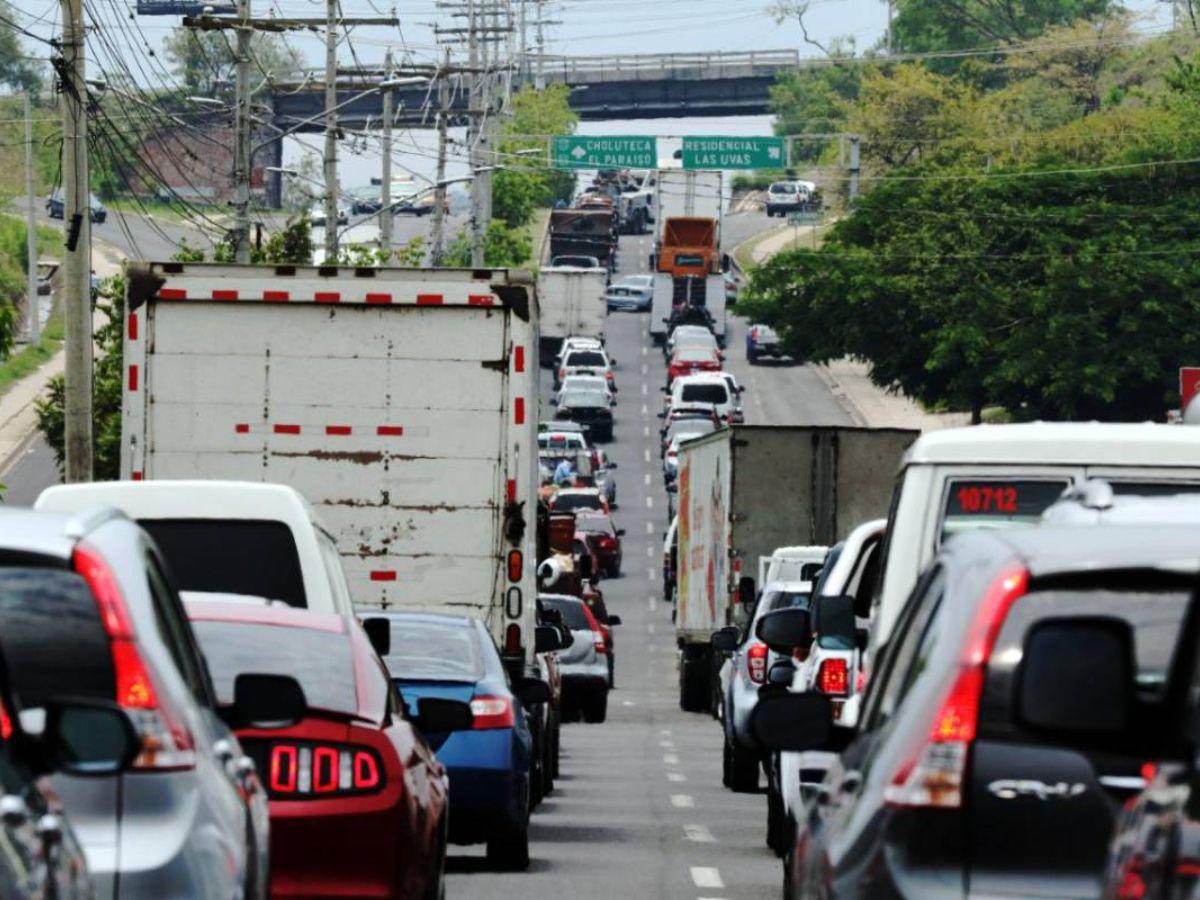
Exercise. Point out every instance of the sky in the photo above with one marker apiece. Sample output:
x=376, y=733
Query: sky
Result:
x=586, y=27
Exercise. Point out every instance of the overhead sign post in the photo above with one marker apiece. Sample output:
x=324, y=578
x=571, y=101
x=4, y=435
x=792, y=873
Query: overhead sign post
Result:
x=580, y=152
x=707, y=152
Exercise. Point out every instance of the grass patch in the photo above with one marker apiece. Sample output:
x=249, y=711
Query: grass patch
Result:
x=169, y=212
x=32, y=357
x=744, y=252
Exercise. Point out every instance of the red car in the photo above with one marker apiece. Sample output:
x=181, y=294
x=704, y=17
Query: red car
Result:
x=604, y=539
x=358, y=801
x=690, y=360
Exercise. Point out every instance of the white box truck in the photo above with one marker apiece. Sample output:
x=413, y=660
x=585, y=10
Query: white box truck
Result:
x=572, y=304
x=401, y=402
x=746, y=490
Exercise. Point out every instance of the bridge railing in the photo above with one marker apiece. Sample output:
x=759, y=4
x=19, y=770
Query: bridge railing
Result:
x=649, y=67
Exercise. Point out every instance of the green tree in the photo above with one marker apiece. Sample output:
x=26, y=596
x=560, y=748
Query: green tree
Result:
x=203, y=61
x=814, y=100
x=524, y=148
x=503, y=246
x=922, y=26
x=19, y=69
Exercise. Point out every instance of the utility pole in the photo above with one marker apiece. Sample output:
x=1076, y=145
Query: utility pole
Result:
x=539, y=81
x=439, y=195
x=331, y=147
x=523, y=43
x=386, y=218
x=241, y=131
x=35, y=324
x=478, y=110
x=854, y=167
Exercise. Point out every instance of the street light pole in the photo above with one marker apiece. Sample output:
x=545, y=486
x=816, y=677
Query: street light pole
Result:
x=438, y=251
x=331, y=147
x=386, y=220
x=241, y=152
x=35, y=324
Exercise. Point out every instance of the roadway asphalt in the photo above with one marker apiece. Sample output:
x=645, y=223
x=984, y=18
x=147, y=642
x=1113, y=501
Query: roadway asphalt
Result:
x=639, y=811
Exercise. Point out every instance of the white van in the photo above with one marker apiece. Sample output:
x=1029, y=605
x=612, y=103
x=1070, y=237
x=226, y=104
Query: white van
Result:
x=708, y=389
x=1001, y=476
x=227, y=537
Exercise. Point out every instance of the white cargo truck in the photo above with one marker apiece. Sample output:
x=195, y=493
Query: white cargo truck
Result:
x=746, y=490
x=572, y=304
x=687, y=193
x=401, y=402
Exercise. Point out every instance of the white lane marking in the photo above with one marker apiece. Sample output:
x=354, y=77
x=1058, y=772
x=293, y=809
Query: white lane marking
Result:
x=699, y=834
x=645, y=410
x=706, y=877
x=628, y=703
x=653, y=608
x=645, y=350
x=645, y=369
x=647, y=454
x=650, y=552
x=666, y=732
x=647, y=479
x=667, y=745
x=644, y=390
x=646, y=431
x=650, y=628
x=649, y=503
x=649, y=528
x=682, y=801
x=670, y=759
x=653, y=574
x=676, y=777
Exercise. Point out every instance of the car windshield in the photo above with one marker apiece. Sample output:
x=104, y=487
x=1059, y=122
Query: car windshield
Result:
x=773, y=600
x=231, y=556
x=573, y=615
x=582, y=399
x=572, y=502
x=560, y=441
x=783, y=189
x=434, y=651
x=319, y=660
x=585, y=358
x=705, y=393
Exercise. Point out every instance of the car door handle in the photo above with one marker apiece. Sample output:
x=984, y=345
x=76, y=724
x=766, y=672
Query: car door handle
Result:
x=851, y=781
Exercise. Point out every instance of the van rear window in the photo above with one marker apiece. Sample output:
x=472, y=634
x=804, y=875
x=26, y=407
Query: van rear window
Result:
x=705, y=393
x=996, y=503
x=231, y=556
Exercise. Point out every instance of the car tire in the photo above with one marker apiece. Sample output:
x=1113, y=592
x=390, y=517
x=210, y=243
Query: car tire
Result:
x=743, y=768
x=693, y=685
x=595, y=708
x=509, y=851
x=778, y=837
x=612, y=670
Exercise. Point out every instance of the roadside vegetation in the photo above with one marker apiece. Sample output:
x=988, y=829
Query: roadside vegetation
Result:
x=1026, y=233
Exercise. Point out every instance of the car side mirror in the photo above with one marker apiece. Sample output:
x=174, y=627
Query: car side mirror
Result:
x=437, y=715
x=726, y=640
x=833, y=622
x=785, y=630
x=89, y=739
x=379, y=633
x=746, y=591
x=620, y=532
x=531, y=691
x=662, y=415
x=613, y=402
x=547, y=639
x=568, y=636
x=1076, y=677
x=665, y=390
x=781, y=673
x=611, y=465
x=795, y=722
x=614, y=620
x=267, y=701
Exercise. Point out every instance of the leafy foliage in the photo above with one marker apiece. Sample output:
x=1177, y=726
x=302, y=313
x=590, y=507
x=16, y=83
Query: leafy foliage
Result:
x=527, y=184
x=922, y=26
x=203, y=61
x=18, y=67
x=503, y=246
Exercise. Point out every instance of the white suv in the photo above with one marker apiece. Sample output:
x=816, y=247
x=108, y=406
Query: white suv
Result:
x=790, y=196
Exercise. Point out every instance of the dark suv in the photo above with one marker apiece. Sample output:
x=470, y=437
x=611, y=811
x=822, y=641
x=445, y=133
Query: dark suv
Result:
x=1008, y=719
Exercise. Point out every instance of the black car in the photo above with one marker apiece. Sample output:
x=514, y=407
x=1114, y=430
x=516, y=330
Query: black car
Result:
x=591, y=409
x=1006, y=722
x=55, y=207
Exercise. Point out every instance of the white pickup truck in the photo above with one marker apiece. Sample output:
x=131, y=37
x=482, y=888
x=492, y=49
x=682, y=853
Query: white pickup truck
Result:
x=401, y=402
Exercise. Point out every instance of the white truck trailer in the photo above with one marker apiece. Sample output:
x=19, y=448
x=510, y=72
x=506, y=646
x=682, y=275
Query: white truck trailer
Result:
x=401, y=402
x=572, y=304
x=746, y=490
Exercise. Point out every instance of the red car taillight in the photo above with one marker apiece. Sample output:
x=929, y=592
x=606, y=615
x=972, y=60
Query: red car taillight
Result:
x=301, y=771
x=833, y=677
x=756, y=662
x=598, y=640
x=167, y=744
x=934, y=776
x=608, y=543
x=492, y=712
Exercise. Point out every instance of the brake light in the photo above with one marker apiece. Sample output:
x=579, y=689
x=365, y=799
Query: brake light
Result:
x=512, y=640
x=756, y=660
x=6, y=725
x=299, y=771
x=608, y=543
x=167, y=744
x=492, y=712
x=934, y=776
x=833, y=677
x=516, y=562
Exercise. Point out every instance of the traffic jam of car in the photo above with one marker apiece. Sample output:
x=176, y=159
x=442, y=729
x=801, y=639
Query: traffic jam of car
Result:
x=326, y=628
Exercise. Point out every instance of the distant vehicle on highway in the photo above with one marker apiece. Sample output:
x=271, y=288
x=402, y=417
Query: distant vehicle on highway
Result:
x=316, y=215
x=584, y=664
x=603, y=537
x=55, y=207
x=590, y=408
x=632, y=294
x=784, y=197
x=761, y=341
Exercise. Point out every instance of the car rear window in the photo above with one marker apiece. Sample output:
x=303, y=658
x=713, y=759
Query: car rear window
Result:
x=434, y=651
x=593, y=524
x=319, y=660
x=231, y=556
x=582, y=400
x=1154, y=488
x=571, y=502
x=572, y=613
x=785, y=600
x=705, y=393
x=585, y=358
x=996, y=502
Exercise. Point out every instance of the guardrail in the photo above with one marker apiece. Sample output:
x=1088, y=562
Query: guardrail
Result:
x=636, y=67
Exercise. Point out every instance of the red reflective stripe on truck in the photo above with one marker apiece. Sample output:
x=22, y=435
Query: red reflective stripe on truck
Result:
x=518, y=358
x=390, y=430
x=383, y=575
x=133, y=378
x=172, y=294
x=223, y=294
x=286, y=429
x=133, y=326
x=276, y=296
x=242, y=428
x=379, y=298
x=327, y=297
x=512, y=490
x=338, y=429
x=429, y=299
x=480, y=300
x=519, y=410
x=136, y=475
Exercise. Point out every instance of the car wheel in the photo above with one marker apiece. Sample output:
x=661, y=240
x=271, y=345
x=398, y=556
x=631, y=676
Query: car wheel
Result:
x=743, y=768
x=595, y=708
x=509, y=851
x=693, y=685
x=777, y=823
x=612, y=673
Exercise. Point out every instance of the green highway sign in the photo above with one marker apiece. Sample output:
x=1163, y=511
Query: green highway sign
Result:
x=734, y=153
x=577, y=152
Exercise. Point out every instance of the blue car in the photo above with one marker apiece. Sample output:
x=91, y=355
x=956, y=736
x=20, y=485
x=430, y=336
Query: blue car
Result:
x=453, y=657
